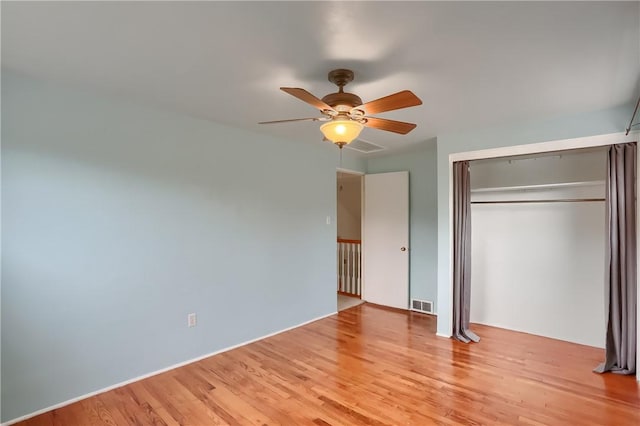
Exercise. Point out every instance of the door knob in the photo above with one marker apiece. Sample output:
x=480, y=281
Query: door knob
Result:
x=403, y=249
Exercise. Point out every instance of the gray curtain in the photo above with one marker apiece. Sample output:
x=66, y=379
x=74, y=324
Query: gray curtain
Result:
x=462, y=253
x=621, y=270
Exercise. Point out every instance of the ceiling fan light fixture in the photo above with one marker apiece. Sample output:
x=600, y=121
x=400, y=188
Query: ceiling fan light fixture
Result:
x=347, y=115
x=341, y=131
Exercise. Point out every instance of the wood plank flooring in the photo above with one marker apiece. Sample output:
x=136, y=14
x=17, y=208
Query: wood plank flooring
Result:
x=375, y=366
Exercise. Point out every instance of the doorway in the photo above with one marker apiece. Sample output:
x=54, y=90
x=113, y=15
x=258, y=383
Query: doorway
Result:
x=349, y=239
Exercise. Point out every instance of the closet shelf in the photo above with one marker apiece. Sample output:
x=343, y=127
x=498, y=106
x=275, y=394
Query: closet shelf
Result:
x=542, y=186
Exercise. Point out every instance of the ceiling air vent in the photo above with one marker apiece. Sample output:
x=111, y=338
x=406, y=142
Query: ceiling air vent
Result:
x=423, y=306
x=364, y=146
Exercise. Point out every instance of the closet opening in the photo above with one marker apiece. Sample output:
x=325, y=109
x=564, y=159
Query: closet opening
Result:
x=538, y=244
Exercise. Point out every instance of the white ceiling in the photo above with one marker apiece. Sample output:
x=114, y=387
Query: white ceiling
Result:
x=474, y=64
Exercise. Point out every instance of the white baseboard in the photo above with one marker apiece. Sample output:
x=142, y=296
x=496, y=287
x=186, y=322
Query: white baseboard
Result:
x=446, y=336
x=154, y=373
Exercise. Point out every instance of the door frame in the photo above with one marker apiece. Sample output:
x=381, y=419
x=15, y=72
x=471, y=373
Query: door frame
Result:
x=361, y=174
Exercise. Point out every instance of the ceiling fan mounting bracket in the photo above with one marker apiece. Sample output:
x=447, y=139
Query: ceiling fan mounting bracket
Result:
x=341, y=77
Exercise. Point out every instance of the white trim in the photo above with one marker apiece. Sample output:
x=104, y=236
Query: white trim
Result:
x=534, y=148
x=362, y=242
x=550, y=146
x=451, y=254
x=154, y=373
x=446, y=336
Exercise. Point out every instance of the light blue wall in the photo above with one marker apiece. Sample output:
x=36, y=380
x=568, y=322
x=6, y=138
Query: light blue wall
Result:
x=423, y=214
x=588, y=124
x=119, y=220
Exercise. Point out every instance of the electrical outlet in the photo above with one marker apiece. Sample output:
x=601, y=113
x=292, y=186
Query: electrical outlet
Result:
x=192, y=320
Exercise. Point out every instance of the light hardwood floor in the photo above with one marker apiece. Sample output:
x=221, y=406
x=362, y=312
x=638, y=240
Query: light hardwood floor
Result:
x=369, y=365
x=347, y=302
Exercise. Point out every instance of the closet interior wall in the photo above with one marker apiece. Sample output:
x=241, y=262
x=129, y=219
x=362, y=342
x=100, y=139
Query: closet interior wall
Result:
x=538, y=267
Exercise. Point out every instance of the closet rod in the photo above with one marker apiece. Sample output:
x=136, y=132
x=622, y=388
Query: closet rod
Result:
x=568, y=200
x=632, y=117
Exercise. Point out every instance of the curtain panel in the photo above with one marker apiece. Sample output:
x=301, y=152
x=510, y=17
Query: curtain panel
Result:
x=462, y=252
x=621, y=261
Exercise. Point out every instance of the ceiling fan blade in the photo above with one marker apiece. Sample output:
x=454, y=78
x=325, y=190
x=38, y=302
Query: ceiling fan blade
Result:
x=307, y=97
x=390, y=125
x=399, y=100
x=293, y=119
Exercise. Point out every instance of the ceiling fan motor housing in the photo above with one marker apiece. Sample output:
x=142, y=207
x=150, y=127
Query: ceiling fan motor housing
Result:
x=341, y=101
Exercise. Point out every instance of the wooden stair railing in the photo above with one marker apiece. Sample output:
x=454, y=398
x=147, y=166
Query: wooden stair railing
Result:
x=349, y=267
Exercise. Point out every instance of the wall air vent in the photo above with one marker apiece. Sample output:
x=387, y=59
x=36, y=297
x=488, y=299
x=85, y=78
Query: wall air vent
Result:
x=364, y=146
x=423, y=306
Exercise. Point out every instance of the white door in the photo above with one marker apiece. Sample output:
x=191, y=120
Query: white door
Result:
x=385, y=239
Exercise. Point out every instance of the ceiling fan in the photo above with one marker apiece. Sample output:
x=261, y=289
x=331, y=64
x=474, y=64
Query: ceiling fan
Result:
x=345, y=114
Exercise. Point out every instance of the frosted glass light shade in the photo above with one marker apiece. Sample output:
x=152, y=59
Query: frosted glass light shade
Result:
x=341, y=131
